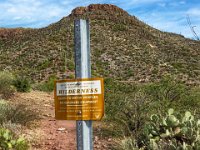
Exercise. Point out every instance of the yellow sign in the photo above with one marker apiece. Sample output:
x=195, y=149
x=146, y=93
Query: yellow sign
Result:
x=79, y=99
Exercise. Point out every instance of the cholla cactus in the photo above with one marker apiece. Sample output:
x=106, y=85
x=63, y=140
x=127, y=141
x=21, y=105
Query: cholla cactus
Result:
x=173, y=132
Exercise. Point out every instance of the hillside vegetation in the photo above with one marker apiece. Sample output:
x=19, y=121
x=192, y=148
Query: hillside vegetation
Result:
x=122, y=47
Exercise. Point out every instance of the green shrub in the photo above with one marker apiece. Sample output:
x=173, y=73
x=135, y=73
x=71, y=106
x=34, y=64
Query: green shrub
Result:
x=13, y=127
x=18, y=114
x=22, y=84
x=47, y=86
x=169, y=93
x=70, y=65
x=6, y=85
x=12, y=117
x=127, y=144
x=9, y=141
x=126, y=111
x=172, y=131
x=119, y=27
x=45, y=64
x=128, y=106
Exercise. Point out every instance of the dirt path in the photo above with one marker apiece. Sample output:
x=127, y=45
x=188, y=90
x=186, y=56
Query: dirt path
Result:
x=59, y=135
x=48, y=133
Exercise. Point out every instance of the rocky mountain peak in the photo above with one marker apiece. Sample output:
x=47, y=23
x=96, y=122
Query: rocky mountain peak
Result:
x=98, y=7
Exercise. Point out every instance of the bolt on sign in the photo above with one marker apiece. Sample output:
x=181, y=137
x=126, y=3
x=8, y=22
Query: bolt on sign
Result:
x=79, y=99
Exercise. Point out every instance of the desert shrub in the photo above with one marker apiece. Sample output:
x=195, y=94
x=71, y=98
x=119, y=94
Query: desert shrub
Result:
x=9, y=141
x=119, y=27
x=13, y=127
x=70, y=65
x=6, y=85
x=43, y=65
x=127, y=144
x=17, y=114
x=169, y=93
x=172, y=131
x=128, y=113
x=22, y=84
x=128, y=106
x=12, y=118
x=47, y=86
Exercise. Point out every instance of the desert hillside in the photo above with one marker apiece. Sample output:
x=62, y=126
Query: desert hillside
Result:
x=122, y=47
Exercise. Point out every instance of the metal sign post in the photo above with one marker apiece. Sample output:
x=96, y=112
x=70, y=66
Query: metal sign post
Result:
x=83, y=70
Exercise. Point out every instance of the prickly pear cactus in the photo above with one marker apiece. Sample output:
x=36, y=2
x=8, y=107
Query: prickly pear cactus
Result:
x=172, y=132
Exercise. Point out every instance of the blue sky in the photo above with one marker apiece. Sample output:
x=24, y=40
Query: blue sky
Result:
x=166, y=15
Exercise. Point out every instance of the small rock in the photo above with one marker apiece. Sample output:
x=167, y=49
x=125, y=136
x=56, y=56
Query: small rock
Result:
x=61, y=129
x=96, y=138
x=109, y=140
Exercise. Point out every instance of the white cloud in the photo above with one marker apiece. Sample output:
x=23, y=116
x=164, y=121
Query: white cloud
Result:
x=30, y=11
x=168, y=21
x=172, y=26
x=182, y=2
x=162, y=4
x=17, y=18
x=167, y=15
x=130, y=4
x=195, y=12
x=143, y=1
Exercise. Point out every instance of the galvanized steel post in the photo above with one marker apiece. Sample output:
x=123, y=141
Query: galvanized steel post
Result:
x=83, y=70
